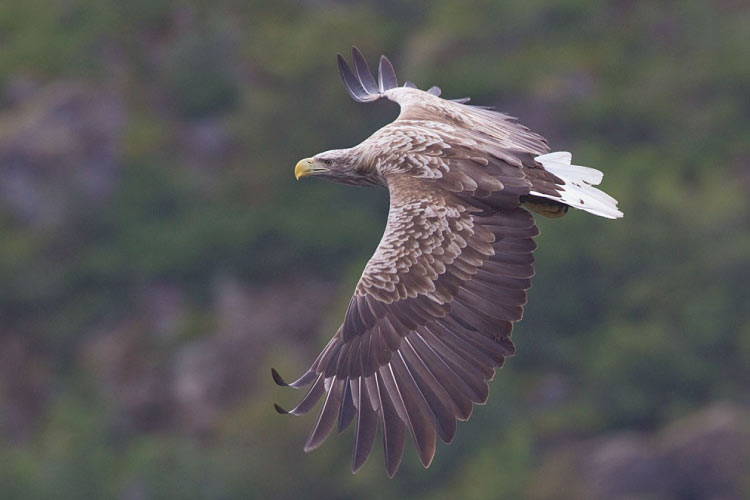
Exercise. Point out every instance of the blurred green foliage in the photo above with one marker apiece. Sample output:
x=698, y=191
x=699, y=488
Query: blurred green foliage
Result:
x=648, y=317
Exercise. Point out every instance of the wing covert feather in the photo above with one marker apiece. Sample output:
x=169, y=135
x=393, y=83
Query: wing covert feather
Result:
x=429, y=322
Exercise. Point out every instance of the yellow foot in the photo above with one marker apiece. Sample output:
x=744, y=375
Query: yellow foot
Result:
x=548, y=209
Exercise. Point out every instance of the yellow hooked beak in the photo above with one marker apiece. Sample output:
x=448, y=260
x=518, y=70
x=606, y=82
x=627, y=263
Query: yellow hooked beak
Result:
x=303, y=168
x=308, y=166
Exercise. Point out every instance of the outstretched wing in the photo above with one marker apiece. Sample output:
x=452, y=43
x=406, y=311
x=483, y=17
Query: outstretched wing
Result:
x=362, y=85
x=482, y=142
x=428, y=106
x=429, y=322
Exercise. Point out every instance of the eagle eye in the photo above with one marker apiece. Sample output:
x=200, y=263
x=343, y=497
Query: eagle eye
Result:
x=327, y=162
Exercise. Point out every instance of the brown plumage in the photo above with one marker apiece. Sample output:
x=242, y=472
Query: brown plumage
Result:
x=432, y=314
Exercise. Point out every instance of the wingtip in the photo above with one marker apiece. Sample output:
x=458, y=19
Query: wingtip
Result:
x=280, y=410
x=352, y=82
x=277, y=378
x=342, y=63
x=392, y=469
x=311, y=446
x=386, y=74
x=426, y=454
x=364, y=74
x=356, y=466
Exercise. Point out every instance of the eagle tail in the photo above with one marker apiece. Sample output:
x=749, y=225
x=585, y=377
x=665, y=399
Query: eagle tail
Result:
x=578, y=189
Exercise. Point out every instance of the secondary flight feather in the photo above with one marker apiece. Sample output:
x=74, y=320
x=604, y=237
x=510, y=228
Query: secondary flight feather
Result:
x=431, y=317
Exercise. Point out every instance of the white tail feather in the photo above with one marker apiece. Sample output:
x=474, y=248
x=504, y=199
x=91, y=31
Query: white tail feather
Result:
x=578, y=190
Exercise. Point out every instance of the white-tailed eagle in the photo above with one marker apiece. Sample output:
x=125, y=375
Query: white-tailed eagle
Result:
x=432, y=314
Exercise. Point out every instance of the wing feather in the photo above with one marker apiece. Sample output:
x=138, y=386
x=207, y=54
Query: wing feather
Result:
x=394, y=431
x=437, y=397
x=443, y=375
x=367, y=425
x=386, y=75
x=404, y=396
x=363, y=72
x=328, y=415
x=347, y=410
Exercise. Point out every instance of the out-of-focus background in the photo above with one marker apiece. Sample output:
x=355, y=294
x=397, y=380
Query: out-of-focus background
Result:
x=157, y=256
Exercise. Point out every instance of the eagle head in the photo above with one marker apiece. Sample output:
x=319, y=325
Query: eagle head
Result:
x=340, y=165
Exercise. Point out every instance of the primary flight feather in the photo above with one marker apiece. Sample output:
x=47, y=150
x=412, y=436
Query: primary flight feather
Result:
x=431, y=317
